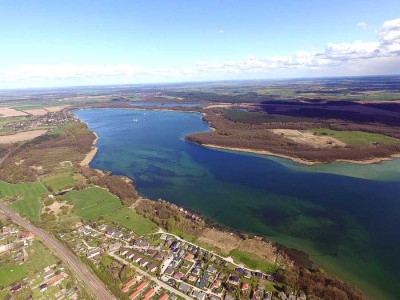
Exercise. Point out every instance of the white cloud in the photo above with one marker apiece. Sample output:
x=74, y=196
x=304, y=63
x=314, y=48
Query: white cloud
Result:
x=381, y=56
x=362, y=25
x=218, y=32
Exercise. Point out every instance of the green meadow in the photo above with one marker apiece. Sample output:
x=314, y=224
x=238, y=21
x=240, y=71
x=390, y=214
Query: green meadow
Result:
x=92, y=203
x=130, y=219
x=28, y=194
x=355, y=138
x=60, y=181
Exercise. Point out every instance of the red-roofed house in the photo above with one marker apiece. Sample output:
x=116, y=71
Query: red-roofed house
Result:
x=150, y=293
x=164, y=297
x=245, y=286
x=127, y=285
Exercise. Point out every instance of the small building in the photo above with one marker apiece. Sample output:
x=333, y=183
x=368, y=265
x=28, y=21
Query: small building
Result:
x=178, y=275
x=152, y=267
x=150, y=293
x=245, y=287
x=128, y=285
x=163, y=297
x=199, y=295
x=234, y=280
x=185, y=288
x=93, y=252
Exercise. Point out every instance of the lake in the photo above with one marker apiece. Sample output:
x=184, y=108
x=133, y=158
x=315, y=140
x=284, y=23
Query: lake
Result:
x=347, y=217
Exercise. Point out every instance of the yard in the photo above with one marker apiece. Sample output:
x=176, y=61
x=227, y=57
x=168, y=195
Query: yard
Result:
x=28, y=203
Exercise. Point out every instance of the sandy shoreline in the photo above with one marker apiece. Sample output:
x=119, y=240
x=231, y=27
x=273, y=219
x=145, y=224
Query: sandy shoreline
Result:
x=302, y=161
x=89, y=157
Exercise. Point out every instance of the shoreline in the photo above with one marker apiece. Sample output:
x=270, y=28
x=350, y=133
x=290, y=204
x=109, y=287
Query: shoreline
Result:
x=303, y=161
x=89, y=157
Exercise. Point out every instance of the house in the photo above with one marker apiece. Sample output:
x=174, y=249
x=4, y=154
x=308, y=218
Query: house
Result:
x=48, y=273
x=102, y=227
x=211, y=269
x=150, y=293
x=128, y=285
x=196, y=271
x=130, y=255
x=134, y=295
x=245, y=286
x=163, y=297
x=186, y=265
x=189, y=256
x=115, y=246
x=136, y=258
x=93, y=252
x=57, y=279
x=123, y=250
x=234, y=280
x=174, y=245
x=15, y=288
x=214, y=298
x=169, y=271
x=163, y=236
x=42, y=287
x=139, y=289
x=144, y=262
x=229, y=297
x=159, y=256
x=216, y=284
x=199, y=295
x=152, y=267
x=202, y=283
x=178, y=275
x=184, y=287
x=26, y=235
x=268, y=296
x=192, y=278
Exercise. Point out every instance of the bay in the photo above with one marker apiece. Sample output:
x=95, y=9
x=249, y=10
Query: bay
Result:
x=345, y=216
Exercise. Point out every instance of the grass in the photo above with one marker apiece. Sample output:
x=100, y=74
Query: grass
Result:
x=92, y=203
x=185, y=236
x=356, y=138
x=39, y=258
x=252, y=261
x=28, y=193
x=130, y=219
x=59, y=181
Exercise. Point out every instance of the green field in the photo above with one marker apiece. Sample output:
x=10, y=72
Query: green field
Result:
x=355, y=138
x=130, y=219
x=39, y=258
x=29, y=193
x=252, y=261
x=92, y=203
x=59, y=181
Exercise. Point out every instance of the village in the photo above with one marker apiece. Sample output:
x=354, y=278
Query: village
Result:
x=169, y=267
x=30, y=271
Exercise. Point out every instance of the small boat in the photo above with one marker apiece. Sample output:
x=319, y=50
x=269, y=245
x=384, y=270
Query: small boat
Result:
x=135, y=120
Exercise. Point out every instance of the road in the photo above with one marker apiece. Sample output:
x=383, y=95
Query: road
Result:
x=95, y=286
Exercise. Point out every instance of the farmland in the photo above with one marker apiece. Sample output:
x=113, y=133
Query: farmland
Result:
x=92, y=203
x=60, y=181
x=27, y=195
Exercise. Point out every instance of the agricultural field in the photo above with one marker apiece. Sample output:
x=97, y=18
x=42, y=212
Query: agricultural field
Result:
x=130, y=219
x=92, y=203
x=28, y=194
x=60, y=181
x=355, y=138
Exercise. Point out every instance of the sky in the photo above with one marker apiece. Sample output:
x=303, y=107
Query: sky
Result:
x=64, y=43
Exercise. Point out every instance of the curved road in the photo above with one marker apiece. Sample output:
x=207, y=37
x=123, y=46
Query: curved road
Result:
x=94, y=284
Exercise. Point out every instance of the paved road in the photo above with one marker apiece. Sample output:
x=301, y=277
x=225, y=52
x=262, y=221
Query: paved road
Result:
x=94, y=284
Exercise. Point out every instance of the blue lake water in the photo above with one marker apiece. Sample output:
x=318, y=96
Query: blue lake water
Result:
x=347, y=217
x=165, y=104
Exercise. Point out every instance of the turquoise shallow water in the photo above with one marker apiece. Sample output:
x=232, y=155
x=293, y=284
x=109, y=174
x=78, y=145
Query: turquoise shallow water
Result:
x=345, y=216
